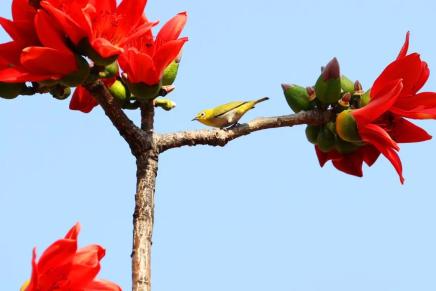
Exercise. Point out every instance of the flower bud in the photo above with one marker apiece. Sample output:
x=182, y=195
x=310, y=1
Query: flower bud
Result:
x=60, y=92
x=345, y=100
x=164, y=103
x=11, y=90
x=297, y=97
x=110, y=71
x=328, y=85
x=312, y=132
x=119, y=91
x=78, y=77
x=325, y=139
x=346, y=84
x=346, y=126
x=170, y=73
x=365, y=98
x=311, y=92
x=345, y=147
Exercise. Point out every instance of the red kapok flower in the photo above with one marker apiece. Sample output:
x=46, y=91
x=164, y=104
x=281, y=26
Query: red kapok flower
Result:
x=37, y=51
x=63, y=267
x=380, y=123
x=359, y=125
x=414, y=72
x=145, y=58
x=104, y=26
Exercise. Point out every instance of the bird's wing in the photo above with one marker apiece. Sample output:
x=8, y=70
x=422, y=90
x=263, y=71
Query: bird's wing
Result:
x=225, y=108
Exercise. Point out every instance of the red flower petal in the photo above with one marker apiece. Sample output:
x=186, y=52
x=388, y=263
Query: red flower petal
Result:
x=143, y=31
x=350, y=164
x=323, y=157
x=86, y=265
x=404, y=131
x=20, y=75
x=102, y=285
x=22, y=10
x=47, y=33
x=74, y=31
x=10, y=28
x=405, y=48
x=378, y=137
x=33, y=284
x=167, y=53
x=59, y=253
x=130, y=11
x=104, y=6
x=105, y=48
x=46, y=60
x=82, y=100
x=370, y=154
x=421, y=100
x=172, y=29
x=379, y=104
x=73, y=233
x=139, y=68
x=423, y=77
x=409, y=69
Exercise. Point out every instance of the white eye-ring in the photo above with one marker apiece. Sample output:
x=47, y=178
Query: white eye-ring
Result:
x=202, y=114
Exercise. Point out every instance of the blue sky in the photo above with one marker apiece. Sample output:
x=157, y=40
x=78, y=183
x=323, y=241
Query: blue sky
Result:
x=259, y=214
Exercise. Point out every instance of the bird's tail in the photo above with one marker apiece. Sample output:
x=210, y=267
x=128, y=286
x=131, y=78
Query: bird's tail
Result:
x=261, y=100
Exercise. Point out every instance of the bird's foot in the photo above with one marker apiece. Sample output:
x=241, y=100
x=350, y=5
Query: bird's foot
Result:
x=235, y=125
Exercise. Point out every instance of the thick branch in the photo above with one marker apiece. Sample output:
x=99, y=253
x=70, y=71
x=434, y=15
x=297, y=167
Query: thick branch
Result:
x=220, y=137
x=143, y=218
x=127, y=129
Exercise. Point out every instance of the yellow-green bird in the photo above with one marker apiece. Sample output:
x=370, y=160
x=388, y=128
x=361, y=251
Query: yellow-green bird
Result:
x=227, y=114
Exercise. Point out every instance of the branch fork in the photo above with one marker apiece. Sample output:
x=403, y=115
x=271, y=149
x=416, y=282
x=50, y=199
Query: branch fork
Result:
x=146, y=145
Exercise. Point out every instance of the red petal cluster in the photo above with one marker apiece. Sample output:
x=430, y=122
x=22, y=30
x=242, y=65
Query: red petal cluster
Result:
x=38, y=50
x=62, y=266
x=381, y=124
x=146, y=58
x=101, y=23
x=48, y=36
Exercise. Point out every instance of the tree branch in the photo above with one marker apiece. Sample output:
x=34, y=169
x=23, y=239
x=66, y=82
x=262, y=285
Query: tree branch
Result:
x=220, y=137
x=127, y=129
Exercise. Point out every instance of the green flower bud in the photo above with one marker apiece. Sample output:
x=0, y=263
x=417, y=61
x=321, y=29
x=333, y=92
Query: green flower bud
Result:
x=11, y=90
x=365, y=98
x=60, y=92
x=119, y=91
x=345, y=147
x=328, y=85
x=346, y=84
x=144, y=92
x=312, y=132
x=346, y=126
x=110, y=71
x=164, y=103
x=170, y=73
x=297, y=97
x=326, y=139
x=86, y=48
x=78, y=77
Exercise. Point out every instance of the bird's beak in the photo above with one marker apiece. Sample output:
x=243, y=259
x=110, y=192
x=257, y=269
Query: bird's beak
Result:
x=194, y=119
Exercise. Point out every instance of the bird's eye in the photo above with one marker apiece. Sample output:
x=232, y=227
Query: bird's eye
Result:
x=202, y=114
